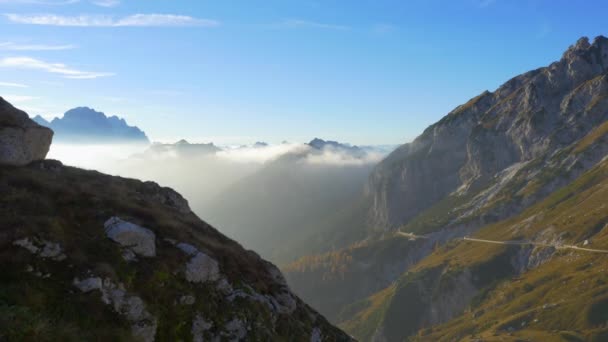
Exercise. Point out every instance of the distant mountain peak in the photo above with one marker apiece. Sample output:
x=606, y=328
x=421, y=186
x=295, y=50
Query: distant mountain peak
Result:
x=320, y=144
x=86, y=125
x=41, y=121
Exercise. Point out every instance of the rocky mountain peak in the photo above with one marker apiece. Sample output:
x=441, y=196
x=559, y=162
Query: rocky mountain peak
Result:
x=532, y=115
x=584, y=58
x=86, y=125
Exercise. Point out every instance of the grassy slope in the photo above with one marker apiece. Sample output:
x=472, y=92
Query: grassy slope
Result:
x=69, y=206
x=572, y=286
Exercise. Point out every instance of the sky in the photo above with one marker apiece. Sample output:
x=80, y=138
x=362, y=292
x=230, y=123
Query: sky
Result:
x=364, y=72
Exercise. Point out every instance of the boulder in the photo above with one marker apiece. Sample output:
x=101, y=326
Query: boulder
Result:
x=202, y=268
x=21, y=139
x=140, y=240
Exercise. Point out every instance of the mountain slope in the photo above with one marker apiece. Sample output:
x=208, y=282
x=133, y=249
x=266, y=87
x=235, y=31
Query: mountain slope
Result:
x=531, y=116
x=539, y=288
x=489, y=160
x=87, y=256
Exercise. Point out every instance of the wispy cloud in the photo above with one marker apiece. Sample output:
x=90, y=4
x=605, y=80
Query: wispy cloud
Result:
x=136, y=20
x=55, y=68
x=38, y=2
x=299, y=23
x=106, y=3
x=33, y=47
x=18, y=98
x=12, y=85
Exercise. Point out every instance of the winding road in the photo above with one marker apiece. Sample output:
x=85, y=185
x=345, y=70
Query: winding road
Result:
x=537, y=244
x=514, y=242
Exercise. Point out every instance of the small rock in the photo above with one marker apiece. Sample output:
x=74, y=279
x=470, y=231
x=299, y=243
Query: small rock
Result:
x=140, y=240
x=88, y=285
x=199, y=326
x=52, y=250
x=187, y=300
x=316, y=335
x=287, y=303
x=27, y=244
x=236, y=329
x=224, y=286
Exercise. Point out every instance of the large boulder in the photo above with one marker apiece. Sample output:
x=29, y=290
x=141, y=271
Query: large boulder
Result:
x=21, y=139
x=202, y=268
x=140, y=240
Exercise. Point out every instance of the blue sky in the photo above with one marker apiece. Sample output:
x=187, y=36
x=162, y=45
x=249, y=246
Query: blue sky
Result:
x=365, y=72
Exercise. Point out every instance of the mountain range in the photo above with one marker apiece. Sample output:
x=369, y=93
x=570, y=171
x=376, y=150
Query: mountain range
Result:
x=474, y=228
x=84, y=125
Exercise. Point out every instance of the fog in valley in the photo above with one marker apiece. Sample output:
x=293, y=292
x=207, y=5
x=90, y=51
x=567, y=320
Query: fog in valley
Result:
x=274, y=199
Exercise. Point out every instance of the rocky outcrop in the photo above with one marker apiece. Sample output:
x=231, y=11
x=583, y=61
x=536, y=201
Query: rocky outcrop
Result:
x=165, y=196
x=21, y=139
x=139, y=240
x=143, y=324
x=42, y=248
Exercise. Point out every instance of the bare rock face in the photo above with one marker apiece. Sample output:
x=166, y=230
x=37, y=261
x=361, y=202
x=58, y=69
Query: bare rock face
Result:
x=531, y=116
x=21, y=139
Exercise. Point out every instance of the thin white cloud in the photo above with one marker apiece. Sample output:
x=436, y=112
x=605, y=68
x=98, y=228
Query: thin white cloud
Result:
x=12, y=85
x=18, y=98
x=136, y=20
x=298, y=23
x=33, y=47
x=55, y=68
x=106, y=3
x=38, y=2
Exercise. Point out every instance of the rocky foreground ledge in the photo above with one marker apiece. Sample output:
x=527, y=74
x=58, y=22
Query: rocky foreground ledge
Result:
x=87, y=256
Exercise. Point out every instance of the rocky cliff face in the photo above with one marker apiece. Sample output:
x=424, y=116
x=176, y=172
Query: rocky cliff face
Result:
x=531, y=116
x=21, y=139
